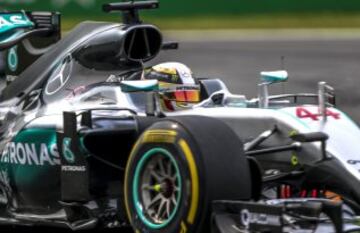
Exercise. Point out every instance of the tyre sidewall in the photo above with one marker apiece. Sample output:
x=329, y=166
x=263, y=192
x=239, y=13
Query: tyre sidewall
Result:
x=180, y=222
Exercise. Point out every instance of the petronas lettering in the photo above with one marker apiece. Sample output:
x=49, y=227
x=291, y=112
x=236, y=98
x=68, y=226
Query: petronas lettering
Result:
x=31, y=154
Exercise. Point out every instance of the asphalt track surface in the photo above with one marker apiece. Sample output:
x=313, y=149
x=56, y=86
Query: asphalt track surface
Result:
x=239, y=61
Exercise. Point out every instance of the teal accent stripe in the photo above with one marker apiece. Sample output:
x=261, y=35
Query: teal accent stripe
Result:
x=11, y=21
x=135, y=187
x=349, y=118
x=293, y=117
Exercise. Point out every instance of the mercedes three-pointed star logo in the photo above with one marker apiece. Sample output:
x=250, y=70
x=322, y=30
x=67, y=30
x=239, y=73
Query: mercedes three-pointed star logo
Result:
x=60, y=77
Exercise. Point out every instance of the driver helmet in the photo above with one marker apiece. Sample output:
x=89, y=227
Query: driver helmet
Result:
x=178, y=89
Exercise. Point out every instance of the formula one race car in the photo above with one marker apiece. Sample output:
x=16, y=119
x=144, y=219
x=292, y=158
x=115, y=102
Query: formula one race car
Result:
x=85, y=143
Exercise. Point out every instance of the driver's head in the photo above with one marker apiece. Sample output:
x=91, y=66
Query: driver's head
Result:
x=178, y=88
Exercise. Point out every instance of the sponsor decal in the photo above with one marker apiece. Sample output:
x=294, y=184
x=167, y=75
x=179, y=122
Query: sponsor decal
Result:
x=73, y=168
x=13, y=59
x=31, y=154
x=60, y=77
x=166, y=70
x=174, y=78
x=165, y=136
x=294, y=159
x=353, y=162
x=14, y=20
x=272, y=172
x=183, y=228
x=75, y=92
x=302, y=112
x=68, y=154
x=247, y=218
x=185, y=73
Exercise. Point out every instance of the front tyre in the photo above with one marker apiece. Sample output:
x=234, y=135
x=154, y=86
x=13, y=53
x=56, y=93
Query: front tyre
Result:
x=157, y=186
x=177, y=168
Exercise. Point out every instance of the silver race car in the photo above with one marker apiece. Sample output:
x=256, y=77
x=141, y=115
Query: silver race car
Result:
x=86, y=143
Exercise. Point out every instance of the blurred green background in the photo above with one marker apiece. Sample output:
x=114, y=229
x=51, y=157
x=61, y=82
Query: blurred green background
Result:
x=214, y=14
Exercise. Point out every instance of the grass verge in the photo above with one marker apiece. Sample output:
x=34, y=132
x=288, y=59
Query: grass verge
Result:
x=324, y=20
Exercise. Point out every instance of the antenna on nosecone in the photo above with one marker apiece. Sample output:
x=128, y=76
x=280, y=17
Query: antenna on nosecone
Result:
x=282, y=68
x=130, y=9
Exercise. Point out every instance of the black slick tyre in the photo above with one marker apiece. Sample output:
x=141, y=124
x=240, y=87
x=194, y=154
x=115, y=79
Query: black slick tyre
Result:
x=177, y=168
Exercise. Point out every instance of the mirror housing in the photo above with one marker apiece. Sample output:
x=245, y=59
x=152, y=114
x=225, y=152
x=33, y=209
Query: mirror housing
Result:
x=271, y=77
x=139, y=85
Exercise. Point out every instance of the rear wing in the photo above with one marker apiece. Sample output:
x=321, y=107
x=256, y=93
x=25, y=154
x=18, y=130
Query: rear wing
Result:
x=24, y=37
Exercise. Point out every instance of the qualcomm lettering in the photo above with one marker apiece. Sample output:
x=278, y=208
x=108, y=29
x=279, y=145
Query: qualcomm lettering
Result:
x=31, y=154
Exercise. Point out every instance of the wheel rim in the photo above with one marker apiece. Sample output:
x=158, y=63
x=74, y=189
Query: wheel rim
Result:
x=157, y=188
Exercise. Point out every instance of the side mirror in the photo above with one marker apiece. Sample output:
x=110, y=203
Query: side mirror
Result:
x=149, y=86
x=271, y=77
x=268, y=78
x=139, y=85
x=171, y=45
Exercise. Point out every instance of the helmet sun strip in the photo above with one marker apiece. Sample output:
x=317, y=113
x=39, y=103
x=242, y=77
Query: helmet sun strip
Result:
x=188, y=94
